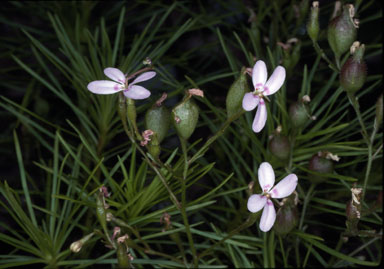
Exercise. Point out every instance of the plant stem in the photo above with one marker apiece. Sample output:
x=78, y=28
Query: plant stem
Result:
x=184, y=201
x=138, y=72
x=292, y=141
x=251, y=219
x=157, y=171
x=271, y=249
x=368, y=140
x=306, y=201
x=338, y=246
x=324, y=56
x=220, y=132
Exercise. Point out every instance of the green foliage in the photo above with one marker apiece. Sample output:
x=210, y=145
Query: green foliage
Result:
x=73, y=169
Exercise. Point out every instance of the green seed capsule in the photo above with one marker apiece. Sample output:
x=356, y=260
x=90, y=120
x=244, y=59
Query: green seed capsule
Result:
x=236, y=94
x=298, y=114
x=342, y=31
x=354, y=72
x=158, y=119
x=286, y=219
x=320, y=164
x=279, y=146
x=185, y=116
x=313, y=22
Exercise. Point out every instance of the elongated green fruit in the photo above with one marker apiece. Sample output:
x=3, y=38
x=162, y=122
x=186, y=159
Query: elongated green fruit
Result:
x=185, y=116
x=158, y=119
x=236, y=94
x=354, y=72
x=342, y=31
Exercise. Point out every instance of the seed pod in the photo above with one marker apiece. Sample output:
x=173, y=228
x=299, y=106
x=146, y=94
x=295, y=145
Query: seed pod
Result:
x=313, y=22
x=286, y=219
x=122, y=256
x=185, y=116
x=236, y=94
x=131, y=110
x=354, y=71
x=100, y=210
x=320, y=164
x=158, y=119
x=279, y=146
x=342, y=31
x=298, y=114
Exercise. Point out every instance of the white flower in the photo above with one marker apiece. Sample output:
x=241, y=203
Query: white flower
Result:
x=262, y=88
x=120, y=83
x=283, y=189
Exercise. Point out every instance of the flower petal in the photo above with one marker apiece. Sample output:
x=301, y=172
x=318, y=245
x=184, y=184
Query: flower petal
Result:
x=115, y=74
x=259, y=74
x=143, y=77
x=275, y=82
x=268, y=217
x=137, y=92
x=104, y=87
x=266, y=176
x=285, y=187
x=260, y=117
x=256, y=202
x=250, y=101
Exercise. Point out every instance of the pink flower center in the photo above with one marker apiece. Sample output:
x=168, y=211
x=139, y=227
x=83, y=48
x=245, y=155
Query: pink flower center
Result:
x=259, y=90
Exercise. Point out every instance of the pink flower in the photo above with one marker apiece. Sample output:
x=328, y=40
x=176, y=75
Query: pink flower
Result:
x=283, y=189
x=262, y=88
x=120, y=83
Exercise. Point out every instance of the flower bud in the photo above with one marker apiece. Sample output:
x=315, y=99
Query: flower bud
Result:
x=279, y=146
x=379, y=112
x=236, y=93
x=185, y=116
x=77, y=245
x=354, y=71
x=321, y=164
x=342, y=31
x=313, y=22
x=158, y=119
x=298, y=114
